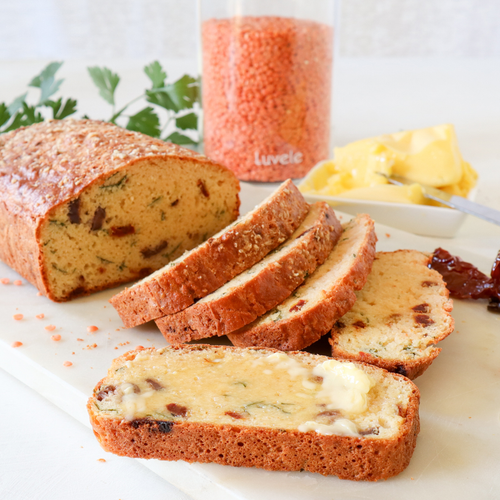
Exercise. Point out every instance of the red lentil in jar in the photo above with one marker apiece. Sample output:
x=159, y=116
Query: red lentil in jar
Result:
x=266, y=94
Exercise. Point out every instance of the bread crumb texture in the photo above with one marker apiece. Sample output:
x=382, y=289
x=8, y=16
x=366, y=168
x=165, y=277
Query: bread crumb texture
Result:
x=399, y=316
x=248, y=407
x=88, y=205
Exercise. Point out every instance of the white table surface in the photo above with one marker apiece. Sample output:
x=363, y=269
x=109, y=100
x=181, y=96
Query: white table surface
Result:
x=45, y=453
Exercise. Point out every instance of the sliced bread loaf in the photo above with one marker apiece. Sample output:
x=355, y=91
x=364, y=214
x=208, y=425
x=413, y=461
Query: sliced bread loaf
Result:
x=209, y=266
x=399, y=316
x=87, y=205
x=257, y=408
x=260, y=288
x=311, y=311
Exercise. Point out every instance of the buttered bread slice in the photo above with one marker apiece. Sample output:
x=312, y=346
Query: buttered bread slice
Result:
x=212, y=264
x=257, y=408
x=260, y=288
x=401, y=313
x=311, y=311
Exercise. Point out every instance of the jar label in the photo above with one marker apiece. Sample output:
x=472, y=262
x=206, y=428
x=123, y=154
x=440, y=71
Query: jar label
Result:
x=289, y=158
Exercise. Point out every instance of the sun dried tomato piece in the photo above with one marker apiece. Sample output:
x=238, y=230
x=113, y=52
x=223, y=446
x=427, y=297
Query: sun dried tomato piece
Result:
x=74, y=211
x=177, y=410
x=119, y=231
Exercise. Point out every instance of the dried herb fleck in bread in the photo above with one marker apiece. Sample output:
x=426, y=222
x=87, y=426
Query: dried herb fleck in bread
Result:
x=257, y=408
x=326, y=295
x=401, y=313
x=209, y=266
x=86, y=205
x=260, y=288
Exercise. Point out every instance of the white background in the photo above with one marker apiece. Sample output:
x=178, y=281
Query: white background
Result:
x=70, y=29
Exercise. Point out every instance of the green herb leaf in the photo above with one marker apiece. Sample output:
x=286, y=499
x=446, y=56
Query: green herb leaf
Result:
x=106, y=81
x=4, y=114
x=160, y=97
x=145, y=121
x=60, y=111
x=16, y=122
x=184, y=92
x=31, y=116
x=156, y=74
x=189, y=121
x=180, y=139
x=46, y=81
x=17, y=104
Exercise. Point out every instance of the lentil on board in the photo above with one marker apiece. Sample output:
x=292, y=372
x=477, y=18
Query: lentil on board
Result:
x=266, y=95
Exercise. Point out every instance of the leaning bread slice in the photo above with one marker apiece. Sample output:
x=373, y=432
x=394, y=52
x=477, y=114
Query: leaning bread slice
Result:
x=399, y=316
x=311, y=311
x=209, y=266
x=257, y=408
x=262, y=287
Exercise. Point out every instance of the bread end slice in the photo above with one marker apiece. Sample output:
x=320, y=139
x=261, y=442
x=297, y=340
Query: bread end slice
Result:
x=402, y=312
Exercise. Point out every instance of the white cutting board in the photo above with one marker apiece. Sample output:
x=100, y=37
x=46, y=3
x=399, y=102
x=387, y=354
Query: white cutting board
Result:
x=458, y=449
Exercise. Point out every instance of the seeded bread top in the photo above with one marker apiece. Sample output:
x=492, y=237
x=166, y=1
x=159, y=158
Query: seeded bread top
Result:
x=47, y=163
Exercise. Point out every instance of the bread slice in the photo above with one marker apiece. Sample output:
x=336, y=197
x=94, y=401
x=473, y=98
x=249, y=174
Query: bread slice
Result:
x=399, y=316
x=262, y=287
x=311, y=311
x=206, y=268
x=257, y=408
x=87, y=205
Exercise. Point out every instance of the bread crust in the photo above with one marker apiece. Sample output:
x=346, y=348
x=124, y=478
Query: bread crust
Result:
x=411, y=368
x=270, y=286
x=50, y=163
x=304, y=329
x=216, y=261
x=353, y=458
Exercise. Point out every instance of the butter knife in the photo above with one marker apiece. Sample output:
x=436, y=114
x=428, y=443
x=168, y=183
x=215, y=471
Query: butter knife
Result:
x=450, y=200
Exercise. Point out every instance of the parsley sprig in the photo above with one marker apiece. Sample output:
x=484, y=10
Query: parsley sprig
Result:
x=174, y=102
x=19, y=113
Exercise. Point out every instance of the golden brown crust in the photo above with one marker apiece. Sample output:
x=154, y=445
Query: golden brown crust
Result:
x=411, y=368
x=302, y=330
x=365, y=458
x=47, y=164
x=215, y=262
x=270, y=286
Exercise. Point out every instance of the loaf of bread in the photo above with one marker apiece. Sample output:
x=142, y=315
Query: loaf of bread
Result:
x=86, y=205
x=260, y=288
x=326, y=295
x=214, y=263
x=257, y=408
x=399, y=316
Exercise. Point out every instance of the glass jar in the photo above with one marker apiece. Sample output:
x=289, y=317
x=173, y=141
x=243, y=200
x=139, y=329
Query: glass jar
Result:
x=266, y=85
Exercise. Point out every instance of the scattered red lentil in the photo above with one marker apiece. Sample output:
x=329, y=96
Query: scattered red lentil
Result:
x=92, y=329
x=80, y=340
x=18, y=317
x=17, y=282
x=5, y=281
x=387, y=235
x=56, y=338
x=39, y=294
x=123, y=343
x=40, y=316
x=67, y=363
x=101, y=460
x=91, y=346
x=50, y=328
x=17, y=344
x=266, y=95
